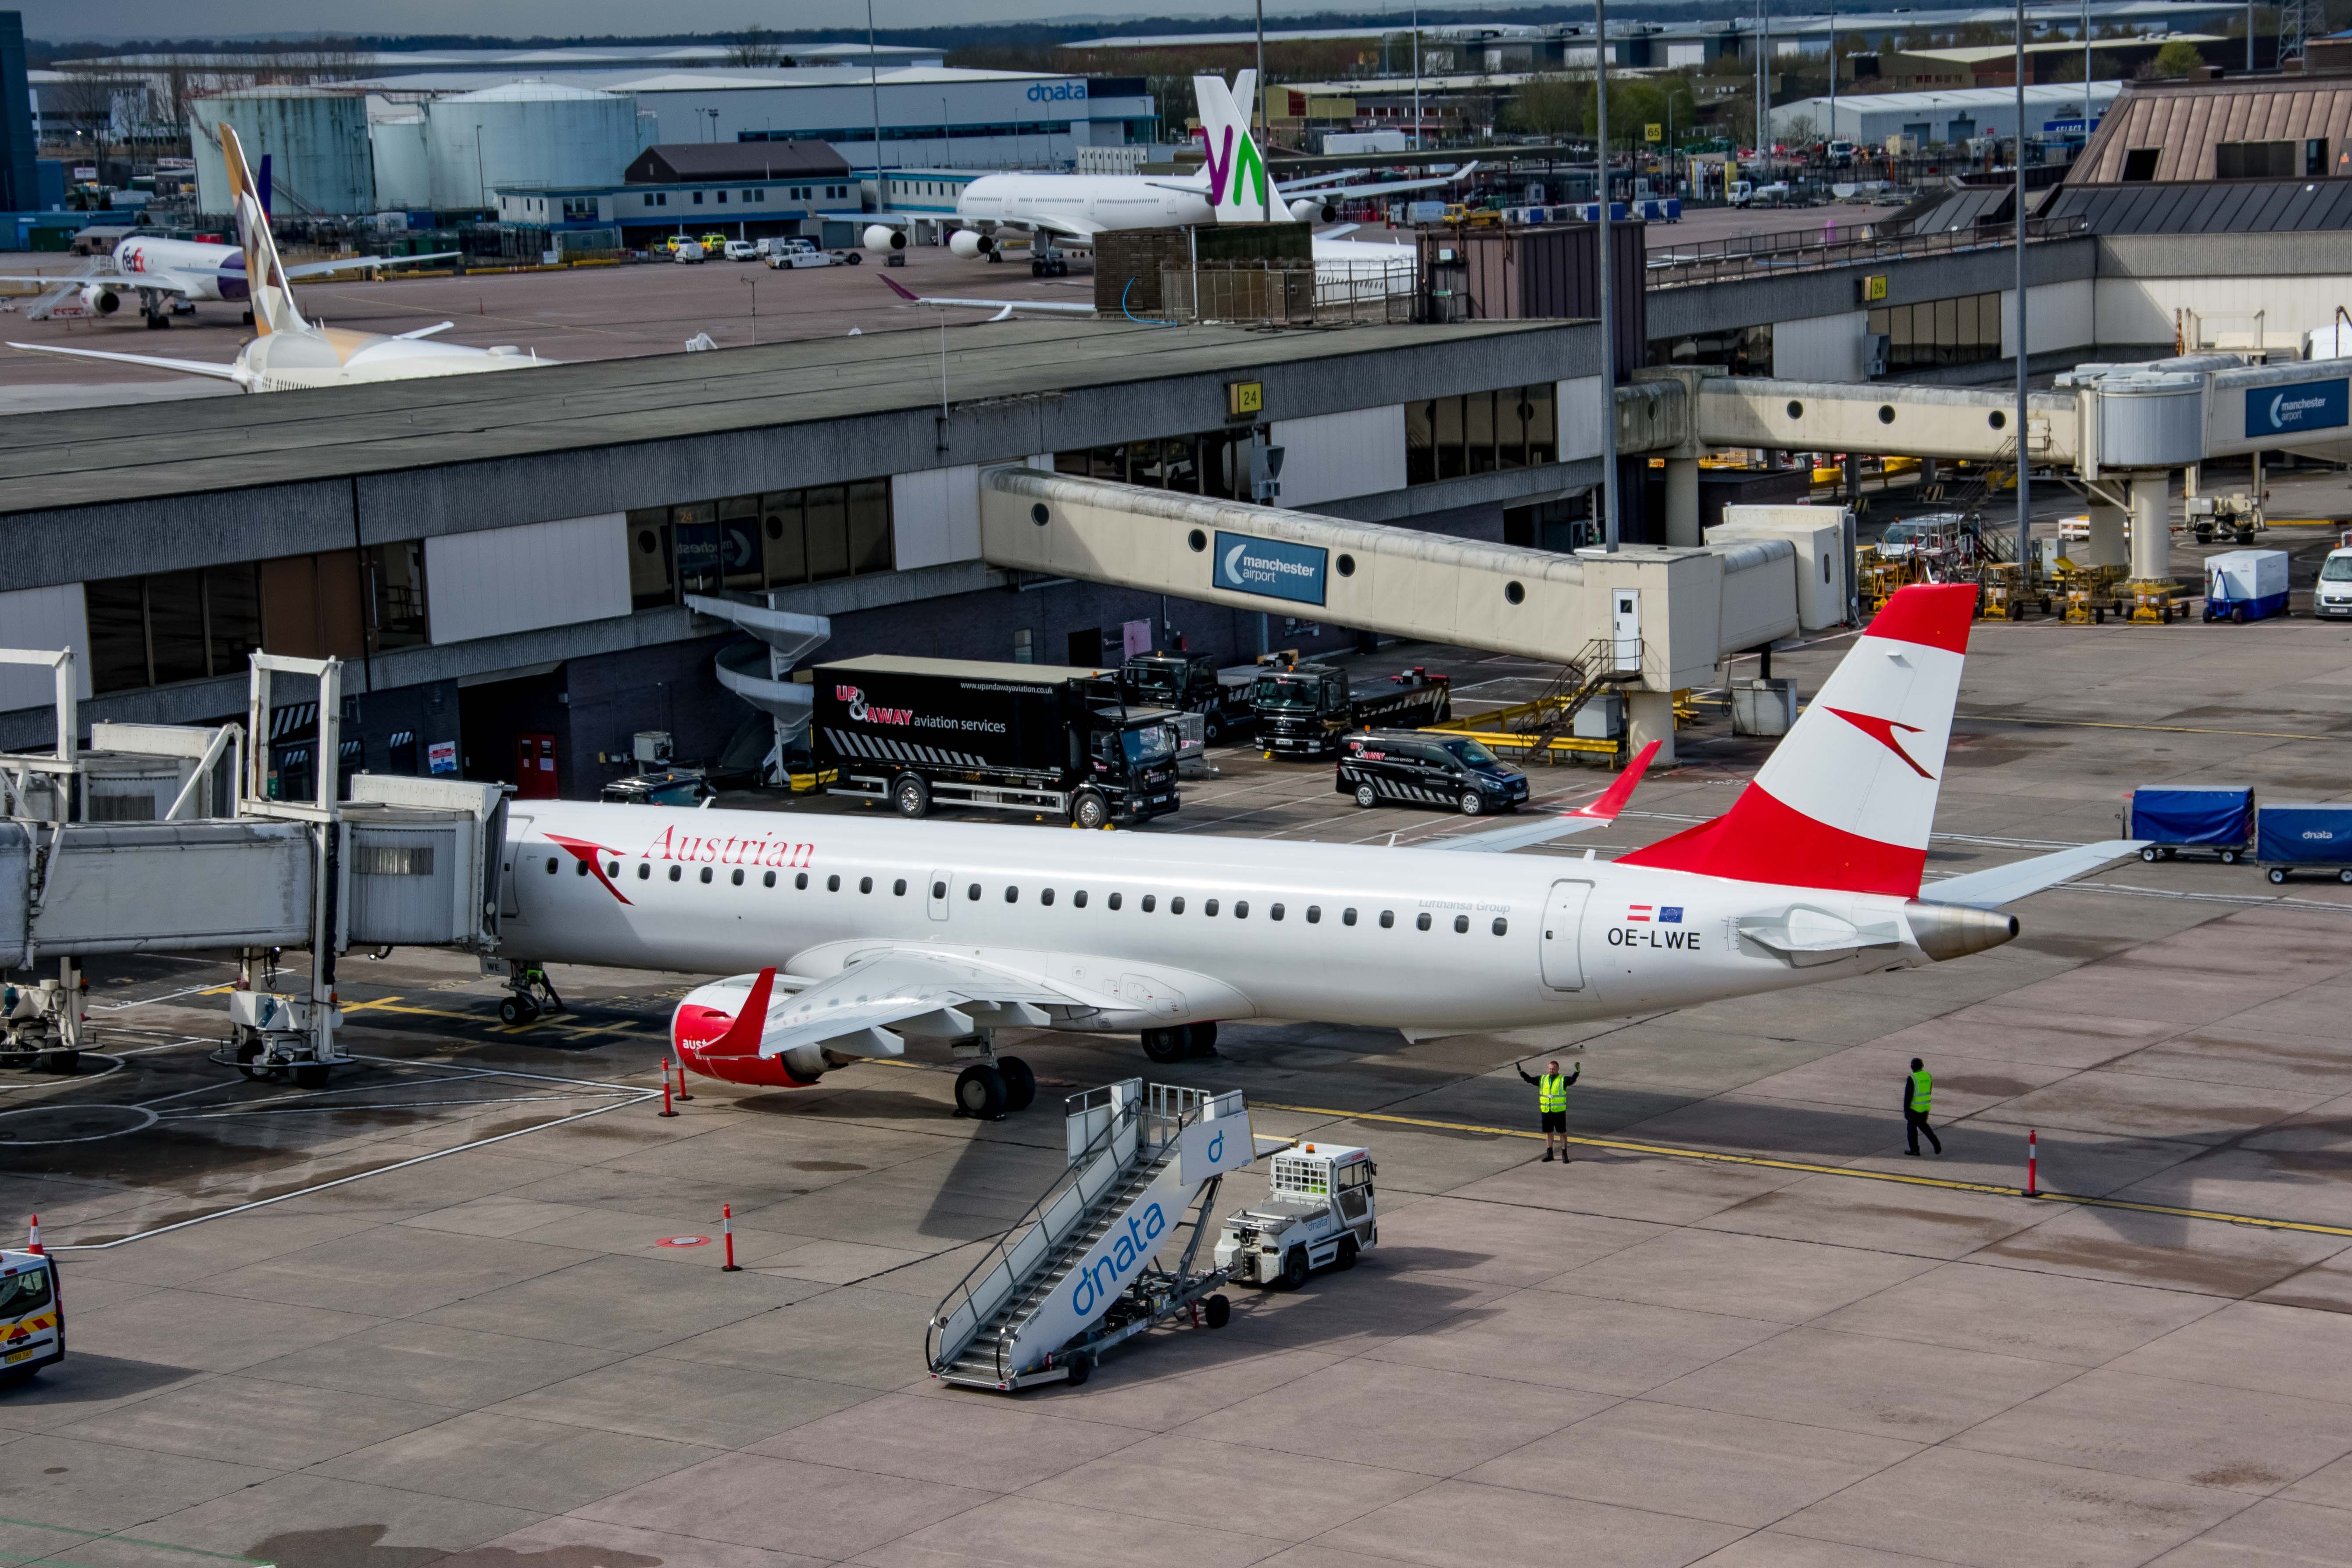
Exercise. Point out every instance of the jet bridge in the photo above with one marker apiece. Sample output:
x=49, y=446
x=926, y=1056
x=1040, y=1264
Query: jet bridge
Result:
x=1658, y=619
x=164, y=839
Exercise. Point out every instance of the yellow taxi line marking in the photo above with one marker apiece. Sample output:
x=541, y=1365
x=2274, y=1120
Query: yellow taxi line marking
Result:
x=2159, y=729
x=1856, y=1172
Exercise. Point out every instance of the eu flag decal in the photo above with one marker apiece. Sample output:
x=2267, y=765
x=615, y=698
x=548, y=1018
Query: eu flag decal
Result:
x=1670, y=914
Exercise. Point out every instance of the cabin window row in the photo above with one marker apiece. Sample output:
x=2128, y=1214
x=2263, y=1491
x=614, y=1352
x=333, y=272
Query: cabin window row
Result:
x=1148, y=903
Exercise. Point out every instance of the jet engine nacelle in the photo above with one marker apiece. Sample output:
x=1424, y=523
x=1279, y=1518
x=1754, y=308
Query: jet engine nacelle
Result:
x=882, y=237
x=970, y=244
x=697, y=1031
x=1307, y=209
x=104, y=300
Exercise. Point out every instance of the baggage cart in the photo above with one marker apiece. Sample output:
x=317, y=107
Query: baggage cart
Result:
x=2219, y=817
x=2305, y=838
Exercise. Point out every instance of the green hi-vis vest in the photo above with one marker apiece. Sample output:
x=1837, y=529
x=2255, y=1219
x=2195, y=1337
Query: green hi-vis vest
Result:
x=1551, y=1092
x=1922, y=1087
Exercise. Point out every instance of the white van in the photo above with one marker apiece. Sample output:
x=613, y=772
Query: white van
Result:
x=2332, y=595
x=742, y=251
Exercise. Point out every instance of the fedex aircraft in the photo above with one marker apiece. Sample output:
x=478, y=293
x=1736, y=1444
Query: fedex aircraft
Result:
x=289, y=353
x=1231, y=186
x=158, y=269
x=847, y=935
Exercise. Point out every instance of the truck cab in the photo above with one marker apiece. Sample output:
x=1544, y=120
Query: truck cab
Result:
x=1300, y=710
x=1132, y=760
x=1187, y=683
x=1320, y=1212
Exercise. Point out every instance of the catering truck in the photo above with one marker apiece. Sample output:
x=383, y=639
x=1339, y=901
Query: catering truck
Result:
x=1303, y=711
x=1005, y=737
x=1192, y=683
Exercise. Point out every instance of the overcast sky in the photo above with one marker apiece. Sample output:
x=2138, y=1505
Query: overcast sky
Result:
x=58, y=20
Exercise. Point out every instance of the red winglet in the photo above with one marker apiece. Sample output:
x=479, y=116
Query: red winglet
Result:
x=895, y=287
x=1614, y=800
x=1935, y=614
x=742, y=1035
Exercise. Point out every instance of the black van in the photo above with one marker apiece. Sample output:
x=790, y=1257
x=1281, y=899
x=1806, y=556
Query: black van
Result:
x=1454, y=772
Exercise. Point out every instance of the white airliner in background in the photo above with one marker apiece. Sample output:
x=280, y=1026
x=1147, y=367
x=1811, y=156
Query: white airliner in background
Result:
x=158, y=270
x=1232, y=185
x=847, y=935
x=287, y=352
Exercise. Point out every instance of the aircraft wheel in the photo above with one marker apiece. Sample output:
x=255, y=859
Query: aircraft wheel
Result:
x=1367, y=796
x=1164, y=1045
x=980, y=1092
x=249, y=318
x=1020, y=1084
x=1090, y=810
x=911, y=796
x=1472, y=802
x=1036, y=269
x=1201, y=1041
x=1217, y=1311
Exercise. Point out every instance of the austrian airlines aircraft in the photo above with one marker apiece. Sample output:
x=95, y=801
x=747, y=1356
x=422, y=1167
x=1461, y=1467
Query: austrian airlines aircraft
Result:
x=856, y=932
x=289, y=353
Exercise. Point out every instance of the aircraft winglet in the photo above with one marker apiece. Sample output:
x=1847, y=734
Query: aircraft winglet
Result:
x=1594, y=814
x=742, y=1035
x=1612, y=800
x=901, y=290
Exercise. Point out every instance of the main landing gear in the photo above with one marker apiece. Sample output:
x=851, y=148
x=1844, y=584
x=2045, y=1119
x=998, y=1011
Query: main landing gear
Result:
x=528, y=993
x=1173, y=1045
x=992, y=1087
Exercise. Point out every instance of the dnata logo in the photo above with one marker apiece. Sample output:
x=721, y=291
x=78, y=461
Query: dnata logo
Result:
x=864, y=714
x=2320, y=834
x=1102, y=1278
x=1057, y=92
x=1217, y=1150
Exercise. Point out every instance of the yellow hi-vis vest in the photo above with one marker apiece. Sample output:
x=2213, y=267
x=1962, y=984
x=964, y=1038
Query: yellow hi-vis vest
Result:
x=1922, y=1089
x=1551, y=1092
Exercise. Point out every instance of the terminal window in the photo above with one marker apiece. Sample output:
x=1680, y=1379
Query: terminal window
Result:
x=2257, y=160
x=1214, y=464
x=756, y=541
x=1743, y=350
x=1964, y=331
x=1480, y=433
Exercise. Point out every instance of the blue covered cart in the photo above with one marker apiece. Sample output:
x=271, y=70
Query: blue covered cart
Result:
x=2220, y=818
x=2305, y=837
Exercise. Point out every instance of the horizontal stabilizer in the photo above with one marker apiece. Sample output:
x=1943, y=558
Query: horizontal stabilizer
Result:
x=1989, y=890
x=1599, y=813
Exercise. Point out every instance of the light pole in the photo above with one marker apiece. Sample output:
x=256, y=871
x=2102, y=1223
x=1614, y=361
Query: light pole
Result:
x=2024, y=470
x=1416, y=75
x=1609, y=520
x=481, y=180
x=874, y=87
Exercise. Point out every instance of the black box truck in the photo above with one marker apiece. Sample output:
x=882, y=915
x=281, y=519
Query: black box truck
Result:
x=1192, y=683
x=1007, y=737
x=1304, y=710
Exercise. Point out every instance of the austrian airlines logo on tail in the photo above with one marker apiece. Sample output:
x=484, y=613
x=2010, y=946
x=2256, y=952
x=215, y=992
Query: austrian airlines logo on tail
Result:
x=1831, y=807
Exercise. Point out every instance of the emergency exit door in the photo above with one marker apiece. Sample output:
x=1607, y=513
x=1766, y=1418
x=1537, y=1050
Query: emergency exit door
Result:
x=1563, y=933
x=941, y=882
x=535, y=767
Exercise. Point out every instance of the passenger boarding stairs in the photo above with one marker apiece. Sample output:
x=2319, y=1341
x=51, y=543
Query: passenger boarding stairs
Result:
x=64, y=302
x=1554, y=710
x=1080, y=1271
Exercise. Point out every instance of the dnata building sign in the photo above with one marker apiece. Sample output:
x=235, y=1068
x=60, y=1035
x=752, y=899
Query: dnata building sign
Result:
x=1269, y=566
x=2309, y=406
x=1057, y=92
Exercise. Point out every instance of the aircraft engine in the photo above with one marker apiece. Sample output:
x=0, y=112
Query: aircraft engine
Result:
x=104, y=300
x=970, y=244
x=705, y=1016
x=1307, y=210
x=882, y=237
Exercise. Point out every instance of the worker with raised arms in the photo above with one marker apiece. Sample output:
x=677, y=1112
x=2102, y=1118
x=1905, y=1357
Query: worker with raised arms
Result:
x=1551, y=1104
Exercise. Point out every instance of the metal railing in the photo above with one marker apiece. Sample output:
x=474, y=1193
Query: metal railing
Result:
x=1293, y=291
x=1754, y=256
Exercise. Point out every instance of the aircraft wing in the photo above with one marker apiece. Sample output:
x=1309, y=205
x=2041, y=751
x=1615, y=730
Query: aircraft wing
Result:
x=918, y=992
x=1076, y=228
x=353, y=263
x=184, y=366
x=1004, y=308
x=1989, y=890
x=1599, y=813
x=162, y=282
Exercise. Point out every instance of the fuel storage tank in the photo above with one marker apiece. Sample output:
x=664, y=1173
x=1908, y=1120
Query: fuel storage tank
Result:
x=316, y=138
x=521, y=133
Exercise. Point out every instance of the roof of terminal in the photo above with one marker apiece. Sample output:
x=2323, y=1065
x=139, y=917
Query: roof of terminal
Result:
x=67, y=458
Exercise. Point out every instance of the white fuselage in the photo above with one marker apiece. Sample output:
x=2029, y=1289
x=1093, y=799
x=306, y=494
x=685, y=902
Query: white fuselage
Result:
x=1509, y=941
x=1107, y=201
x=208, y=272
x=331, y=356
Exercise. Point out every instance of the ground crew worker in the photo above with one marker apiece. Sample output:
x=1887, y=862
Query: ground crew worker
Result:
x=1917, y=1088
x=1551, y=1102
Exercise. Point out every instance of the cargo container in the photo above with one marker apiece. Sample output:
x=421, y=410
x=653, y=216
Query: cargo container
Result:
x=2245, y=584
x=2220, y=818
x=1003, y=737
x=2305, y=837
